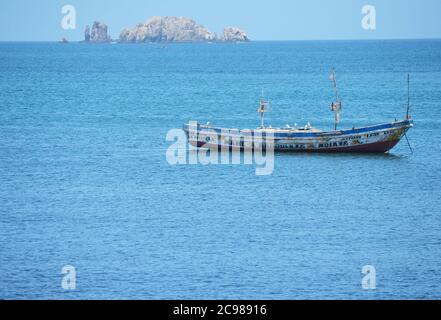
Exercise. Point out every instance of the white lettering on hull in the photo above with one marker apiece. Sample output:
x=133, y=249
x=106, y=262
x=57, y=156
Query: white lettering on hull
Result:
x=237, y=141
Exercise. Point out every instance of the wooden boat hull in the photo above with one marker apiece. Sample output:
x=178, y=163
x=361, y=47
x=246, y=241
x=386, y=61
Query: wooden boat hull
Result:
x=374, y=139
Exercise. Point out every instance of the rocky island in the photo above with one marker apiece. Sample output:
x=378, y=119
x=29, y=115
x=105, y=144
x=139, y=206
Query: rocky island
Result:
x=164, y=29
x=233, y=34
x=177, y=29
x=98, y=34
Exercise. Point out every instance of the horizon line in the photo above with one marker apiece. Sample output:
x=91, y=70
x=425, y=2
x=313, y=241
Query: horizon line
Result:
x=263, y=40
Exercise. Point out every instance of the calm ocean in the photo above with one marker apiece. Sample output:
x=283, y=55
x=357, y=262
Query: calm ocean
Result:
x=85, y=181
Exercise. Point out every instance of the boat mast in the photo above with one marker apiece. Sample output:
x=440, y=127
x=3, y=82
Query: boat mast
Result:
x=262, y=110
x=408, y=97
x=336, y=106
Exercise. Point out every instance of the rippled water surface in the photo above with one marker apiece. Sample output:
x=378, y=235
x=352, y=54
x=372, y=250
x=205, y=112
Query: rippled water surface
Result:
x=85, y=181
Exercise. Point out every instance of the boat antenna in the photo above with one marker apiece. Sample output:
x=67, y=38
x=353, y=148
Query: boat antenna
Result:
x=408, y=97
x=336, y=106
x=261, y=110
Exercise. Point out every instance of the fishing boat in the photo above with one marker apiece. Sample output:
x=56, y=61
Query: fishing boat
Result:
x=379, y=138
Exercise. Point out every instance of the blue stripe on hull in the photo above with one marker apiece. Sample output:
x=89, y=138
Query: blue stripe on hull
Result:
x=329, y=134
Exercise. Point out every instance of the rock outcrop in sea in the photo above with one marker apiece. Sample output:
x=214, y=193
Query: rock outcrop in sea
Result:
x=98, y=33
x=167, y=29
x=87, y=34
x=233, y=34
x=176, y=29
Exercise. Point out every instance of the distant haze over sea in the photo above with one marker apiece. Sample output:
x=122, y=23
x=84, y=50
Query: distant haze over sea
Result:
x=23, y=20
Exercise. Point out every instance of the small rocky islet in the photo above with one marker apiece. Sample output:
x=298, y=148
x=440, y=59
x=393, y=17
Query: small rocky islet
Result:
x=164, y=29
x=98, y=33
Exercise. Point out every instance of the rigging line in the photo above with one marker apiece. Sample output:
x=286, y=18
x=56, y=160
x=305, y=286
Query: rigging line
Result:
x=408, y=143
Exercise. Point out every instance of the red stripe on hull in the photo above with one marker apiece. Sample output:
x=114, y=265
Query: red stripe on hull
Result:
x=377, y=147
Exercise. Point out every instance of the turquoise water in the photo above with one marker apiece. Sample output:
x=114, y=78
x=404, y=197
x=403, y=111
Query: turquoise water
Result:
x=85, y=181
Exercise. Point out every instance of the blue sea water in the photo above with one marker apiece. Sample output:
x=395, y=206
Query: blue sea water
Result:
x=85, y=181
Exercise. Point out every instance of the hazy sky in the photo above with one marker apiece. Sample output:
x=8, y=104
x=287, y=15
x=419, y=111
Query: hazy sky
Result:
x=40, y=20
